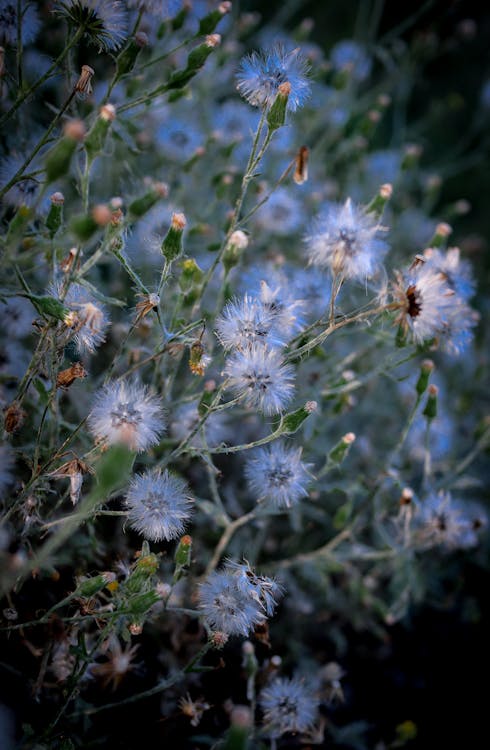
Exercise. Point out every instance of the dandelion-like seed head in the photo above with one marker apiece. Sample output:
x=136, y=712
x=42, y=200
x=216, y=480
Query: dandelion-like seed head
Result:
x=346, y=240
x=126, y=413
x=430, y=308
x=244, y=323
x=104, y=21
x=261, y=73
x=235, y=600
x=277, y=473
x=259, y=376
x=159, y=504
x=443, y=521
x=289, y=705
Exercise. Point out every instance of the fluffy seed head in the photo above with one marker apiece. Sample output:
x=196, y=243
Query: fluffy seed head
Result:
x=346, y=240
x=126, y=413
x=159, y=504
x=276, y=473
x=261, y=379
x=261, y=74
x=288, y=706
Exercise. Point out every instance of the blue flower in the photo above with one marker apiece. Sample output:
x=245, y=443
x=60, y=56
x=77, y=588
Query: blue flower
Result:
x=277, y=473
x=346, y=240
x=288, y=706
x=159, y=505
x=126, y=413
x=259, y=376
x=261, y=73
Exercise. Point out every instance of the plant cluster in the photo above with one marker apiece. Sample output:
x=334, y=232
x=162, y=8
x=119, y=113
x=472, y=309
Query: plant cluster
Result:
x=241, y=363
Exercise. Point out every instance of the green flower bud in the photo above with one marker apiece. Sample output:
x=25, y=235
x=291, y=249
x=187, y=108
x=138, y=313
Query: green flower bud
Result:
x=293, y=421
x=172, y=243
x=209, y=22
x=277, y=113
x=430, y=410
x=54, y=218
x=426, y=368
x=182, y=557
x=340, y=451
x=94, y=142
x=126, y=59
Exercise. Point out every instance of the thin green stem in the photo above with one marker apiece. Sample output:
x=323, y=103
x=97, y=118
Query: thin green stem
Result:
x=21, y=99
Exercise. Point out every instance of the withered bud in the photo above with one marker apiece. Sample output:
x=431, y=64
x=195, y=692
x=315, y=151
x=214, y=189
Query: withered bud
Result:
x=374, y=116
x=284, y=88
x=74, y=129
x=413, y=150
x=57, y=199
x=210, y=386
x=178, y=221
x=311, y=406
x=224, y=7
x=141, y=39
x=462, y=207
x=84, y=83
x=434, y=182
x=117, y=217
x=238, y=239
x=14, y=417
x=116, y=202
x=443, y=229
x=406, y=497
x=102, y=215
x=432, y=390
x=65, y=378
x=301, y=165
x=213, y=40
x=386, y=191
x=197, y=359
x=349, y=438
x=67, y=263
x=218, y=639
x=148, y=303
x=384, y=100
x=108, y=112
x=135, y=628
x=241, y=716
x=427, y=365
x=161, y=188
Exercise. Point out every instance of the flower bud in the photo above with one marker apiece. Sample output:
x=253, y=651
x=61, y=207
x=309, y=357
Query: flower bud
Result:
x=14, y=417
x=340, y=451
x=430, y=410
x=126, y=59
x=380, y=200
x=301, y=165
x=277, y=113
x=426, y=368
x=209, y=22
x=237, y=242
x=94, y=142
x=182, y=557
x=293, y=421
x=140, y=206
x=54, y=218
x=59, y=157
x=443, y=231
x=172, y=243
x=91, y=586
